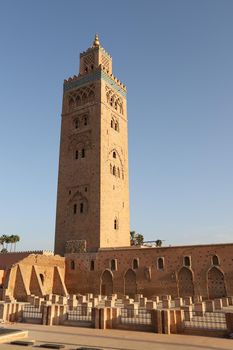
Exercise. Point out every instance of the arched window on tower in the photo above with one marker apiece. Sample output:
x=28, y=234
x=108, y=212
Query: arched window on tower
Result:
x=114, y=154
x=76, y=123
x=83, y=153
x=116, y=225
x=215, y=260
x=76, y=154
x=114, y=170
x=71, y=103
x=112, y=123
x=118, y=172
x=78, y=101
x=81, y=207
x=75, y=208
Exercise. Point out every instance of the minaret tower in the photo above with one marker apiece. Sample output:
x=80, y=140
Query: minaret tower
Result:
x=93, y=189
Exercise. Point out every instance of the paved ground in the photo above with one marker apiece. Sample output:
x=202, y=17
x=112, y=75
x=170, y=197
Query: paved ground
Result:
x=74, y=337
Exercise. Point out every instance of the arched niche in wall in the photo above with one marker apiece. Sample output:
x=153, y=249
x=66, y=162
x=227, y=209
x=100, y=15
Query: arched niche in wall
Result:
x=185, y=282
x=106, y=283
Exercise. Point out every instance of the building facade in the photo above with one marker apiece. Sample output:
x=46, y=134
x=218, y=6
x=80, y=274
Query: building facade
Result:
x=93, y=195
x=92, y=222
x=200, y=270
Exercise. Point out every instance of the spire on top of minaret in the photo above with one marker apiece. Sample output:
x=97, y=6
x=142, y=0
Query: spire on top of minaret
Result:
x=95, y=57
x=96, y=42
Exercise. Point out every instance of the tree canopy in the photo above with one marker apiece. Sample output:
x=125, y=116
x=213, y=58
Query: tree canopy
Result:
x=11, y=240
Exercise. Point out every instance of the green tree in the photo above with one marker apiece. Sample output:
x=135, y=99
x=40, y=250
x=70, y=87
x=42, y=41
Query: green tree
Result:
x=158, y=243
x=7, y=241
x=4, y=240
x=16, y=240
x=139, y=239
x=136, y=238
x=11, y=239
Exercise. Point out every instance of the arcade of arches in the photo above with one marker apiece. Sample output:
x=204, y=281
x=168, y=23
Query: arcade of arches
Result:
x=185, y=283
x=130, y=285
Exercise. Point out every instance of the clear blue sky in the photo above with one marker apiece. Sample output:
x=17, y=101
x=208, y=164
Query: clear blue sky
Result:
x=176, y=58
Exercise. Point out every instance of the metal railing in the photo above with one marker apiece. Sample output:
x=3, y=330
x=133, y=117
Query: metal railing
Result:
x=207, y=320
x=139, y=316
x=80, y=313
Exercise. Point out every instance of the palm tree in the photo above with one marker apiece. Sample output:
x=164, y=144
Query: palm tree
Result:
x=7, y=241
x=16, y=240
x=11, y=241
x=4, y=239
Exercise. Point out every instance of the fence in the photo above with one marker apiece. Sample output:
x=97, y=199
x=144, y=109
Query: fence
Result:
x=208, y=320
x=136, y=317
x=129, y=317
x=32, y=314
x=80, y=313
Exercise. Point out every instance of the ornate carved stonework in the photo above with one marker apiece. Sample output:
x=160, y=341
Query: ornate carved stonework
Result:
x=76, y=246
x=114, y=100
x=82, y=139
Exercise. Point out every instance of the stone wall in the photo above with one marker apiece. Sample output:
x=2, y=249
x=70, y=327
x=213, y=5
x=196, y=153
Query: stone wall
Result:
x=157, y=271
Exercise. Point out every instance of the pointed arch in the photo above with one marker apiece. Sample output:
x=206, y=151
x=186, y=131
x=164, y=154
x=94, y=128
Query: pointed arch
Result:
x=118, y=156
x=185, y=282
x=216, y=283
x=78, y=100
x=130, y=283
x=78, y=204
x=71, y=103
x=91, y=95
x=106, y=283
x=84, y=97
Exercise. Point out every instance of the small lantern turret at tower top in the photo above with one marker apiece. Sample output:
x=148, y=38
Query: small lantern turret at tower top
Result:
x=93, y=57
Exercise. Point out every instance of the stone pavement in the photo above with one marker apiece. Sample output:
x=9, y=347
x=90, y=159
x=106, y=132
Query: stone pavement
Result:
x=74, y=337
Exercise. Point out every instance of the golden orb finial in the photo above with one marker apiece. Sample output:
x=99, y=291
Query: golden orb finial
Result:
x=96, y=42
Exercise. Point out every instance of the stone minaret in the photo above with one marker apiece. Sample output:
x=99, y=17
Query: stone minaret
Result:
x=93, y=188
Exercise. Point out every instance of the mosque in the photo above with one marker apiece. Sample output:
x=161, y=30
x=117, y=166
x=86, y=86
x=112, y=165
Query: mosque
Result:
x=92, y=251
